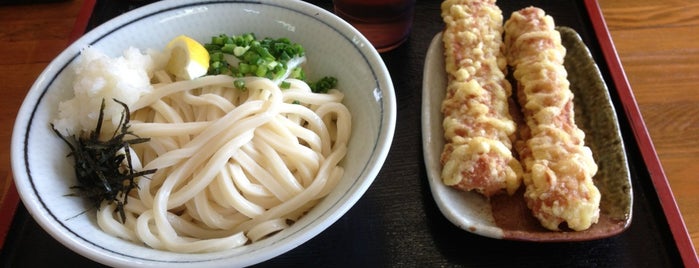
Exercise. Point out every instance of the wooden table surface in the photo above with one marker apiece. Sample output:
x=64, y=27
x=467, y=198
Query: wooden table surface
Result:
x=656, y=42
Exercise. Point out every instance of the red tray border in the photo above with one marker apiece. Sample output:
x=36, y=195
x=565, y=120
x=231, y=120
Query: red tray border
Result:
x=650, y=157
x=10, y=199
x=82, y=20
x=8, y=205
x=667, y=200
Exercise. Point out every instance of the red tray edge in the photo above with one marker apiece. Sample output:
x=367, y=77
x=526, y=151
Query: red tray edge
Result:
x=8, y=206
x=667, y=200
x=81, y=21
x=10, y=199
x=650, y=157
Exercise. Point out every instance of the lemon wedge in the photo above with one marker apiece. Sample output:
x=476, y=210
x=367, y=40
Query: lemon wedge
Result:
x=188, y=58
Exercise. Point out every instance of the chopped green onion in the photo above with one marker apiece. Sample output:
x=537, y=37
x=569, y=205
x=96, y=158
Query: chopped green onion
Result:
x=239, y=84
x=228, y=48
x=244, y=68
x=323, y=85
x=217, y=40
x=285, y=85
x=262, y=57
x=298, y=73
x=261, y=71
x=216, y=56
x=239, y=51
x=267, y=57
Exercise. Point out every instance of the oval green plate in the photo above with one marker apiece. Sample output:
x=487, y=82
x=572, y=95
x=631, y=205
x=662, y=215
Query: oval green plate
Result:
x=507, y=217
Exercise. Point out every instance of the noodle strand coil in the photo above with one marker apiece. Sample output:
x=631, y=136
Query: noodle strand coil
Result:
x=233, y=166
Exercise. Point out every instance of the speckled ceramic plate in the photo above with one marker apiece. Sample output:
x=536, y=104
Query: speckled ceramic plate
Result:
x=507, y=217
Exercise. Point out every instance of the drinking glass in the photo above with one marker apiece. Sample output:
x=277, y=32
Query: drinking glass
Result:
x=386, y=23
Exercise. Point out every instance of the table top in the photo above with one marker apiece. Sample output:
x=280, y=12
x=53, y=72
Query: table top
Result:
x=655, y=41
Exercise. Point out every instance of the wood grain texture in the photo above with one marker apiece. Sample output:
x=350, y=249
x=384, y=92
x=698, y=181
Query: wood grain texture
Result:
x=30, y=37
x=657, y=44
x=656, y=41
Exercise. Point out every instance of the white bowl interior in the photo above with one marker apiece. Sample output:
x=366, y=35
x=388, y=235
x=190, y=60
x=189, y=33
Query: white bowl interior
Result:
x=43, y=173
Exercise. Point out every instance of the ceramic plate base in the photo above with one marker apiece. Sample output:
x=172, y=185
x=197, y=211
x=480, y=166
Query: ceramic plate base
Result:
x=507, y=217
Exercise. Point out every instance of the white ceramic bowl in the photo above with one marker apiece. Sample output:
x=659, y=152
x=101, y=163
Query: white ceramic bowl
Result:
x=43, y=173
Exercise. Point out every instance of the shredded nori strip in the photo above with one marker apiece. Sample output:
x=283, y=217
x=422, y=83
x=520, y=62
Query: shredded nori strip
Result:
x=99, y=165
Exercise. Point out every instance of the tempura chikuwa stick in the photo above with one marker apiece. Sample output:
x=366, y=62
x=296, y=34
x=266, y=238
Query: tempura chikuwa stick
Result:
x=478, y=127
x=558, y=167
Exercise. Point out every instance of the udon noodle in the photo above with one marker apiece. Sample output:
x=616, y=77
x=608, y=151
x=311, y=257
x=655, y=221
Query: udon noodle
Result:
x=233, y=166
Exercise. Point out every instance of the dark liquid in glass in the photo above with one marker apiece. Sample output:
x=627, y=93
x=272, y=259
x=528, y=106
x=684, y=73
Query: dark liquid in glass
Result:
x=386, y=23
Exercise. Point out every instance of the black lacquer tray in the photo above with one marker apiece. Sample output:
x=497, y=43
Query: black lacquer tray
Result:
x=397, y=223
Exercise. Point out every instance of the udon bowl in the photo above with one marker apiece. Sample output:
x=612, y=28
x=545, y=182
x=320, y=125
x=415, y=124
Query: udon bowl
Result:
x=43, y=174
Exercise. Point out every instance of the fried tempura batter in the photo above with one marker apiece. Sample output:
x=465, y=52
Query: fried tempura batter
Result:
x=558, y=166
x=477, y=124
